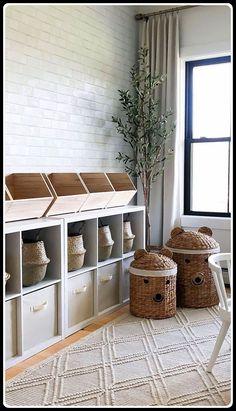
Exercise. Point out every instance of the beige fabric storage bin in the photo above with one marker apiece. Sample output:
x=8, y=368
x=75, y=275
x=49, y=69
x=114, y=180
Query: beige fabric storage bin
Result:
x=124, y=189
x=108, y=286
x=40, y=316
x=69, y=193
x=126, y=277
x=10, y=329
x=80, y=298
x=28, y=196
x=100, y=190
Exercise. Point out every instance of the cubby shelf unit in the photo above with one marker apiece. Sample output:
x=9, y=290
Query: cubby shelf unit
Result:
x=74, y=298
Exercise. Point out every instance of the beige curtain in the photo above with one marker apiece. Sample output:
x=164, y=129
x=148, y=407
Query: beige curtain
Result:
x=160, y=34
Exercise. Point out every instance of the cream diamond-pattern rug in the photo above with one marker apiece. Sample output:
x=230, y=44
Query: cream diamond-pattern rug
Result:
x=133, y=362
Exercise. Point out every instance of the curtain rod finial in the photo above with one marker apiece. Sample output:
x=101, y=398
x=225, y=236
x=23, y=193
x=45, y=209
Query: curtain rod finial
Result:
x=139, y=16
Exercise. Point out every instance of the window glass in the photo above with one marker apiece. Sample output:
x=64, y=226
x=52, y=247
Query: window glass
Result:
x=210, y=177
x=211, y=100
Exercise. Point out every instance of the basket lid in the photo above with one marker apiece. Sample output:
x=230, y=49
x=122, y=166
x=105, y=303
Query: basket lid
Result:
x=144, y=260
x=192, y=240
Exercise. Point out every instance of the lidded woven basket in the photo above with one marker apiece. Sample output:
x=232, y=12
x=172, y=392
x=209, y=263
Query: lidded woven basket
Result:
x=195, y=283
x=153, y=284
x=34, y=262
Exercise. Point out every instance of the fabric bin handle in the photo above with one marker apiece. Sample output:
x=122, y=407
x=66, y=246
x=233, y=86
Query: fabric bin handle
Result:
x=79, y=290
x=39, y=307
x=106, y=278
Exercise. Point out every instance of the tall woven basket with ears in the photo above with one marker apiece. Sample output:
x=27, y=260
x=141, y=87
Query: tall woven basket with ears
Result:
x=34, y=262
x=195, y=283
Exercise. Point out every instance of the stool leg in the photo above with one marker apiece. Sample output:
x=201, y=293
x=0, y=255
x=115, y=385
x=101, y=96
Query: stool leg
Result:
x=224, y=328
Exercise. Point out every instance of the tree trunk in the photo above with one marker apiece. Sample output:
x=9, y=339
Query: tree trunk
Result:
x=146, y=192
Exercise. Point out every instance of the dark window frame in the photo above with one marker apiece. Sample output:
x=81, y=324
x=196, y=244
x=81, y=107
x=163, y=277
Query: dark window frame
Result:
x=189, y=140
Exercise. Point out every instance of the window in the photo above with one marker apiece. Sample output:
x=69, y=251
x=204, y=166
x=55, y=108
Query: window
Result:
x=207, y=137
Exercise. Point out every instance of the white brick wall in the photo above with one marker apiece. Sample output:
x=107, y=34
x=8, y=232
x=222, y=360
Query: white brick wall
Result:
x=63, y=67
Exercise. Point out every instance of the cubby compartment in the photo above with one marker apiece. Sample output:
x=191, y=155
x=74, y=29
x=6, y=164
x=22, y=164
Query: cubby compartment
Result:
x=124, y=189
x=13, y=264
x=10, y=329
x=80, y=298
x=108, y=286
x=115, y=225
x=51, y=238
x=137, y=225
x=99, y=188
x=88, y=230
x=28, y=196
x=40, y=316
x=125, y=278
x=69, y=193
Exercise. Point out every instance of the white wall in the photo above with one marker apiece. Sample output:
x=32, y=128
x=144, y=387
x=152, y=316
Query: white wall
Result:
x=63, y=67
x=204, y=31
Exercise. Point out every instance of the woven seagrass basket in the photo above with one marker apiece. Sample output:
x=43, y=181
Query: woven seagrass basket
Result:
x=195, y=283
x=105, y=243
x=128, y=237
x=76, y=252
x=153, y=285
x=34, y=263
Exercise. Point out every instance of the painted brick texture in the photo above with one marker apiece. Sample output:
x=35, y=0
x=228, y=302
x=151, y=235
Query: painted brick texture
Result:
x=63, y=67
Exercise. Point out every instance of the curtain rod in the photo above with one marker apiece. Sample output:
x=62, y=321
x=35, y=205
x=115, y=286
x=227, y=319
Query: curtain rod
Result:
x=143, y=16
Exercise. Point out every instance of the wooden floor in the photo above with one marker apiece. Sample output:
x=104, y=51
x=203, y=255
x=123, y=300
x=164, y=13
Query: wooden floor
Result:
x=42, y=355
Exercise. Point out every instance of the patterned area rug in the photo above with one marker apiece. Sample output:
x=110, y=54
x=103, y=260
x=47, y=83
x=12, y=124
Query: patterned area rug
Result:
x=133, y=362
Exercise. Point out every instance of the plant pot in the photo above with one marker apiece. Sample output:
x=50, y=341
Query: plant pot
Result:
x=128, y=237
x=76, y=252
x=34, y=263
x=105, y=243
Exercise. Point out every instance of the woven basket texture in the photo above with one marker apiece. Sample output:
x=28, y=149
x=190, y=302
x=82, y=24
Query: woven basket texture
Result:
x=152, y=261
x=195, y=283
x=34, y=263
x=153, y=297
x=128, y=237
x=127, y=245
x=191, y=240
x=76, y=252
x=105, y=243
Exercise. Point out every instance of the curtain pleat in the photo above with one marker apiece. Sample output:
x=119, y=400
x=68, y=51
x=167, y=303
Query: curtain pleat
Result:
x=161, y=35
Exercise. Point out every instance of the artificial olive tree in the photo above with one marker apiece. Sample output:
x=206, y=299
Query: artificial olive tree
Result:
x=145, y=128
